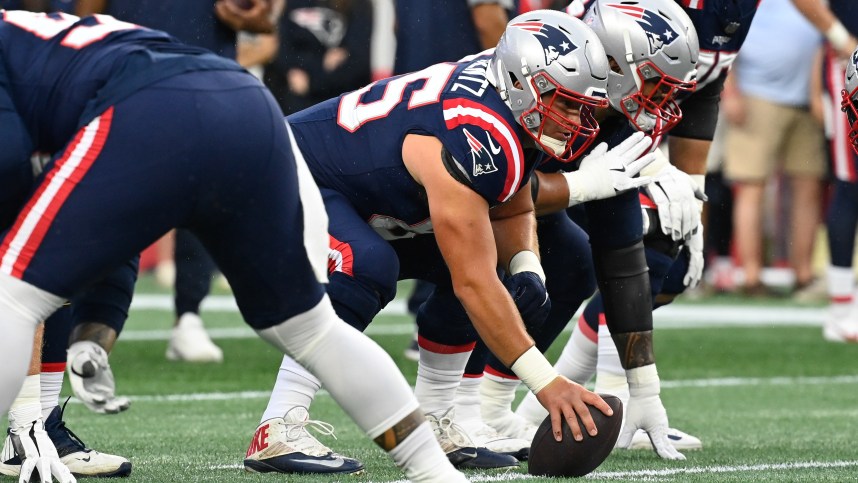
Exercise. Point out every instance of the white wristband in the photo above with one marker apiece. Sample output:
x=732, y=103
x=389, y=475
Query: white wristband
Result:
x=526, y=261
x=643, y=381
x=838, y=36
x=534, y=370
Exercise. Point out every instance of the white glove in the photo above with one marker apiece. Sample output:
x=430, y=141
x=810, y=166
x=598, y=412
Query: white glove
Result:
x=695, y=259
x=37, y=452
x=679, y=201
x=92, y=380
x=645, y=411
x=605, y=173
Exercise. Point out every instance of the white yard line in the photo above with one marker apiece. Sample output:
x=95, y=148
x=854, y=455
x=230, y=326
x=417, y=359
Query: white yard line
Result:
x=665, y=384
x=670, y=317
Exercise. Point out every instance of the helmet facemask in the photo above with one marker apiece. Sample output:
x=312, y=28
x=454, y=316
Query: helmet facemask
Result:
x=551, y=99
x=848, y=106
x=656, y=111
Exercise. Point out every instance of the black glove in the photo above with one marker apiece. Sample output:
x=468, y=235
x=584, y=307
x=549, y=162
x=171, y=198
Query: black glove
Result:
x=530, y=296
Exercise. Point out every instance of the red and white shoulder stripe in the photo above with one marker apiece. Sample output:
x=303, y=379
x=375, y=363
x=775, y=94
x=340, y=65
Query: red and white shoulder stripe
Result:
x=458, y=112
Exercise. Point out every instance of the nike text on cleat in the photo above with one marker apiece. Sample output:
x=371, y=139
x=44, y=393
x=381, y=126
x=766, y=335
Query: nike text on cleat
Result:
x=681, y=441
x=452, y=438
x=80, y=460
x=283, y=445
x=190, y=342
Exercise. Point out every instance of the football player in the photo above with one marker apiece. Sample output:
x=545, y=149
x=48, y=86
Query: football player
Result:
x=426, y=175
x=722, y=28
x=147, y=136
x=652, y=49
x=838, y=20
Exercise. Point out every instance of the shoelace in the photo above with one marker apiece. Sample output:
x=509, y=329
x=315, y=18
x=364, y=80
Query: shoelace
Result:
x=453, y=432
x=68, y=434
x=305, y=442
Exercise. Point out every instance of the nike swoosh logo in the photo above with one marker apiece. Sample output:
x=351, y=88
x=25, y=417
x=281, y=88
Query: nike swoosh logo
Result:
x=621, y=170
x=319, y=462
x=492, y=147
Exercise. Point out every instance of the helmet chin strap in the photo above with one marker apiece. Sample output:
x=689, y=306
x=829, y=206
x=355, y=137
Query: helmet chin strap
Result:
x=556, y=145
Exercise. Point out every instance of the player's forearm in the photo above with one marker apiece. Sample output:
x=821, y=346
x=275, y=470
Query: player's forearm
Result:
x=514, y=227
x=490, y=21
x=495, y=317
x=552, y=193
x=816, y=13
x=689, y=155
x=89, y=7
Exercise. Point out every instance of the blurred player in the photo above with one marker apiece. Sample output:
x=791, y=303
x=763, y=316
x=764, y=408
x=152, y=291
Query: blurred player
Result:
x=721, y=28
x=425, y=176
x=838, y=21
x=115, y=103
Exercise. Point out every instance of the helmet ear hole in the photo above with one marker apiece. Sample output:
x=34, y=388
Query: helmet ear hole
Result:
x=615, y=66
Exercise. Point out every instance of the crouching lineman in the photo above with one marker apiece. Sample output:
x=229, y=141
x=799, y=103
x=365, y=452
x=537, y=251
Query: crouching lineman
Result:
x=426, y=175
x=673, y=241
x=114, y=102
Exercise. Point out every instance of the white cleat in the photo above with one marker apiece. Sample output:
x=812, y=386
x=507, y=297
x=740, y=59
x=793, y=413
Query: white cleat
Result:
x=283, y=445
x=484, y=436
x=190, y=342
x=511, y=425
x=681, y=441
x=454, y=441
x=841, y=330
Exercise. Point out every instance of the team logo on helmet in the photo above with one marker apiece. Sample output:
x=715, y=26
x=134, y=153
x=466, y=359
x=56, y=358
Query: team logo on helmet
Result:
x=658, y=31
x=554, y=42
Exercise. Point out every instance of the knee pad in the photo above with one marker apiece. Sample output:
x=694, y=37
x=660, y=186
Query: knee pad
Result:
x=625, y=287
x=357, y=302
x=442, y=319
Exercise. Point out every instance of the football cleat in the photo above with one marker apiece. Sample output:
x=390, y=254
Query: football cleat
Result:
x=283, y=445
x=190, y=342
x=452, y=438
x=80, y=460
x=681, y=441
x=510, y=424
x=842, y=330
x=484, y=436
x=489, y=460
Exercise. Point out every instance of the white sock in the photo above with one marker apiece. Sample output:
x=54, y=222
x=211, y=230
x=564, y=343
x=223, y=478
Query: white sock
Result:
x=468, y=399
x=421, y=458
x=25, y=408
x=578, y=359
x=51, y=384
x=439, y=372
x=295, y=386
x=841, y=287
x=22, y=308
x=359, y=375
x=497, y=394
x=610, y=375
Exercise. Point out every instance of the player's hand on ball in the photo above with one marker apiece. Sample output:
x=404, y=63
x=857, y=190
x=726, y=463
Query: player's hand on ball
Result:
x=564, y=399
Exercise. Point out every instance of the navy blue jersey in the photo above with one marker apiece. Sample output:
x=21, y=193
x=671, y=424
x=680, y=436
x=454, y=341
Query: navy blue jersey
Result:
x=722, y=26
x=353, y=143
x=62, y=71
x=847, y=12
x=191, y=21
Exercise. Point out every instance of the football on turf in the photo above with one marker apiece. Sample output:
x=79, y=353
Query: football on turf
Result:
x=575, y=458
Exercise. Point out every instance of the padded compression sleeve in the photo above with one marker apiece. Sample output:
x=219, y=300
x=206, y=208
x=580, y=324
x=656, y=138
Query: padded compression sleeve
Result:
x=625, y=287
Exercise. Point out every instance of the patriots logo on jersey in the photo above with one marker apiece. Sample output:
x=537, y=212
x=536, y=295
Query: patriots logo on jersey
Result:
x=554, y=42
x=658, y=31
x=482, y=165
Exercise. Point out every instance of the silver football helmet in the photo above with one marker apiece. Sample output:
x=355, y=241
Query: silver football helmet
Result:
x=647, y=40
x=550, y=66
x=850, y=97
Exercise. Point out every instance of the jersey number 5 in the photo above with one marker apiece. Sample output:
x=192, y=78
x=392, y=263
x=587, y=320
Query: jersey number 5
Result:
x=352, y=113
x=48, y=26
